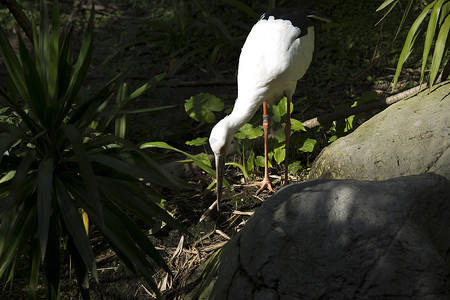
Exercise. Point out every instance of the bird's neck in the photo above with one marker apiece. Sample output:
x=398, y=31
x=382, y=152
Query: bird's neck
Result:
x=242, y=112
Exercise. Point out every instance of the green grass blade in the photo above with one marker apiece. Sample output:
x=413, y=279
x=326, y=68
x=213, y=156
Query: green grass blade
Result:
x=439, y=50
x=44, y=200
x=409, y=42
x=432, y=25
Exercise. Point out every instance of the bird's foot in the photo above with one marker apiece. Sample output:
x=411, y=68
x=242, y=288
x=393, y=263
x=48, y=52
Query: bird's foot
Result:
x=264, y=184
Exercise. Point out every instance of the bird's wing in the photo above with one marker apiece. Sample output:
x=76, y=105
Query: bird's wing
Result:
x=273, y=55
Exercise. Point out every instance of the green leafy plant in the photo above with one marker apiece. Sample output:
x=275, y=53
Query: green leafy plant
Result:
x=55, y=164
x=201, y=108
x=436, y=35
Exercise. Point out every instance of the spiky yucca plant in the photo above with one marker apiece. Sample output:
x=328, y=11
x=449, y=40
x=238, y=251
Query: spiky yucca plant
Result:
x=52, y=170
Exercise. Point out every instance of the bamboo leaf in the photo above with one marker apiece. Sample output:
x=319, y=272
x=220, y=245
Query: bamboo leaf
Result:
x=432, y=24
x=439, y=50
x=386, y=3
x=409, y=42
x=405, y=15
x=387, y=12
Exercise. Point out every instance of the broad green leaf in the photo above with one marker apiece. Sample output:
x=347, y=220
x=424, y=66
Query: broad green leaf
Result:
x=279, y=154
x=280, y=135
x=275, y=114
x=297, y=125
x=295, y=167
x=409, y=42
x=439, y=49
x=198, y=141
x=259, y=161
x=201, y=106
x=249, y=132
x=44, y=200
x=282, y=106
x=308, y=145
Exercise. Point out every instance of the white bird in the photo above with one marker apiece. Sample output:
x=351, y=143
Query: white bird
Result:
x=276, y=54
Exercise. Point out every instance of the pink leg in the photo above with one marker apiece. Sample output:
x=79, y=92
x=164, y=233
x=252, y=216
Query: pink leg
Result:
x=265, y=183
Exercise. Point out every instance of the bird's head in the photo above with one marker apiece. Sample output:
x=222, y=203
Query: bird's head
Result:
x=220, y=141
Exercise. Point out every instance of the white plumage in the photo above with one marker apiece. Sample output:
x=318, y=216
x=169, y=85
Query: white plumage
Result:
x=275, y=55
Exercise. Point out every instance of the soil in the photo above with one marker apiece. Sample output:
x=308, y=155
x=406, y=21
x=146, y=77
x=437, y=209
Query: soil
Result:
x=344, y=69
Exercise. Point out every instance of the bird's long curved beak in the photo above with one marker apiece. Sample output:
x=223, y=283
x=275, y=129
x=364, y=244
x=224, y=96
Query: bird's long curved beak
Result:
x=220, y=165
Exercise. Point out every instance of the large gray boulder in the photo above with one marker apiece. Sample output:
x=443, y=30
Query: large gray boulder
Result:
x=340, y=239
x=409, y=137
